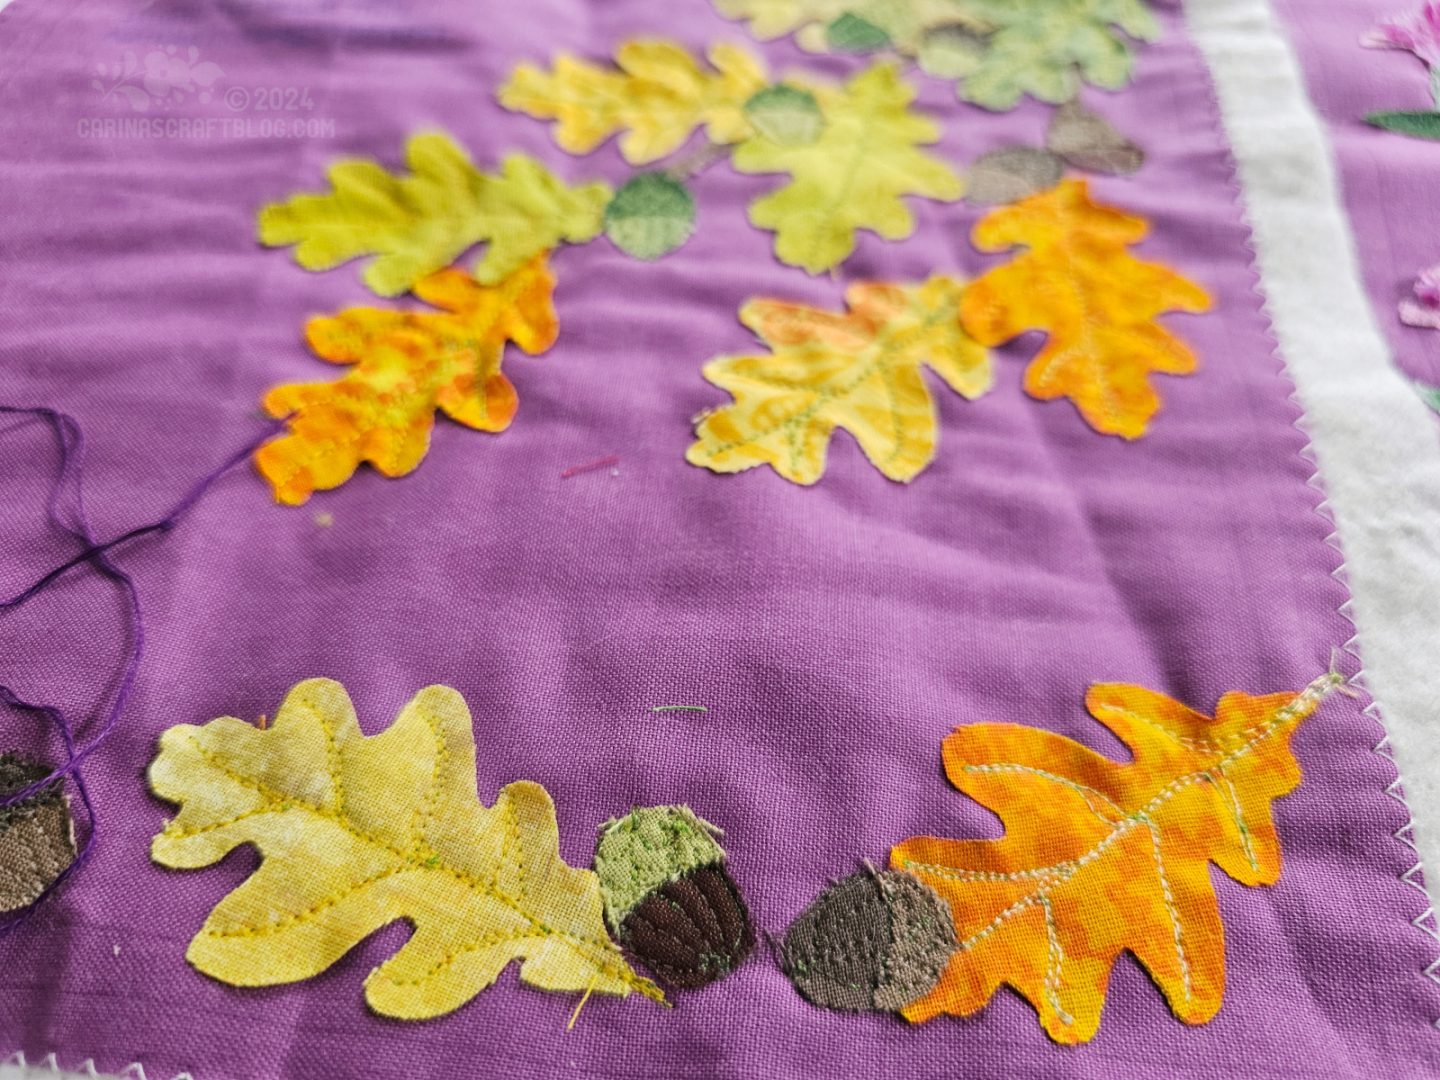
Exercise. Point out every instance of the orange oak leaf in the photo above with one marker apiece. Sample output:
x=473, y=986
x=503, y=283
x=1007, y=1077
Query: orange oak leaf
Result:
x=1100, y=857
x=407, y=364
x=1096, y=301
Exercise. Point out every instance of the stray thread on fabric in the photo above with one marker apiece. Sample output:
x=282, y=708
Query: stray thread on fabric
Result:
x=590, y=466
x=71, y=479
x=693, y=164
x=678, y=708
x=574, y=1016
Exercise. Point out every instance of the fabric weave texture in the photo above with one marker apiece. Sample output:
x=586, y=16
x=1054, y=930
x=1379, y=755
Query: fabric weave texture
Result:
x=835, y=633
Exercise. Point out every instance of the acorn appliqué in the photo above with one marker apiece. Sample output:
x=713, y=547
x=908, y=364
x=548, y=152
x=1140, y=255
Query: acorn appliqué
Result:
x=668, y=897
x=876, y=940
x=37, y=835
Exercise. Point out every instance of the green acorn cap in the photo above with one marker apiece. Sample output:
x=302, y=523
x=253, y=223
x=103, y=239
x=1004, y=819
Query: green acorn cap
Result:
x=648, y=848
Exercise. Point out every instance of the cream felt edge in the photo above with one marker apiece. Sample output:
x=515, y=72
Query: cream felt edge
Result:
x=1372, y=438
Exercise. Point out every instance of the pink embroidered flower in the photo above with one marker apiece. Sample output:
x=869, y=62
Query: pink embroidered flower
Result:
x=1423, y=309
x=1418, y=31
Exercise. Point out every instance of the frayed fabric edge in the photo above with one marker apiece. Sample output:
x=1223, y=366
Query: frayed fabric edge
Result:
x=18, y=1067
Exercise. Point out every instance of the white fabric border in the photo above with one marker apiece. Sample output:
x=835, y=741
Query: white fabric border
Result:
x=1375, y=443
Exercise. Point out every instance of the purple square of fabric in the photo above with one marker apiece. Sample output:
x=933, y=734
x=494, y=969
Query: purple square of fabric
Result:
x=835, y=634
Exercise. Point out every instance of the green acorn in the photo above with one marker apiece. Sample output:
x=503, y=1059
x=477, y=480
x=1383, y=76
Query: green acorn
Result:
x=651, y=216
x=668, y=897
x=876, y=940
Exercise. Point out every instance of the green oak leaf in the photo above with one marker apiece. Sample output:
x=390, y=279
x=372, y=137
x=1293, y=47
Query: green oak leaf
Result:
x=420, y=222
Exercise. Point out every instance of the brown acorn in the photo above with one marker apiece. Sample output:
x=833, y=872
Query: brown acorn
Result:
x=37, y=836
x=669, y=899
x=876, y=940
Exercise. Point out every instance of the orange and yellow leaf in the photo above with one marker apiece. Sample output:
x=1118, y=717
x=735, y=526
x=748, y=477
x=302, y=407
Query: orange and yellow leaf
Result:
x=1100, y=858
x=1097, y=302
x=406, y=365
x=859, y=371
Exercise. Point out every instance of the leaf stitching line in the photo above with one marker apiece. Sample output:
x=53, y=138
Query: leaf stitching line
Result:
x=797, y=421
x=1059, y=873
x=577, y=942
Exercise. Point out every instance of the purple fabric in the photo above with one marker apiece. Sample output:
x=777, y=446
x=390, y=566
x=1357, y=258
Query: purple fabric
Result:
x=66, y=512
x=835, y=633
x=1389, y=181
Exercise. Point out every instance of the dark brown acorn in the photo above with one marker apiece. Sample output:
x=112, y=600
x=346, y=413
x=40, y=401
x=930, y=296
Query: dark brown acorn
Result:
x=876, y=940
x=668, y=897
x=37, y=836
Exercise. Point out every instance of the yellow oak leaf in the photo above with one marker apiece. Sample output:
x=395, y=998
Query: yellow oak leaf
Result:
x=1098, y=304
x=904, y=24
x=853, y=176
x=858, y=371
x=419, y=223
x=355, y=833
x=407, y=364
x=1101, y=857
x=770, y=19
x=658, y=96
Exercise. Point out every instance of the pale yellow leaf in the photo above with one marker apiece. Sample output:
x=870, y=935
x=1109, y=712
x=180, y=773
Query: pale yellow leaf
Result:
x=357, y=832
x=656, y=94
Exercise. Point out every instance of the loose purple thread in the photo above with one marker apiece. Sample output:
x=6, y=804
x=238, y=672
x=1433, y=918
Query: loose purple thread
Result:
x=71, y=440
x=590, y=466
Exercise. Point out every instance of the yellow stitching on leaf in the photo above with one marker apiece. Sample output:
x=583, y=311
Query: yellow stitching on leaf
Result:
x=1150, y=917
x=562, y=905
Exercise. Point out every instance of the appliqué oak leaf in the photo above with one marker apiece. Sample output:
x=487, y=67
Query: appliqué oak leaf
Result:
x=1045, y=48
x=356, y=832
x=852, y=152
x=859, y=371
x=419, y=223
x=853, y=176
x=658, y=96
x=904, y=23
x=1098, y=304
x=999, y=50
x=407, y=364
x=1100, y=857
